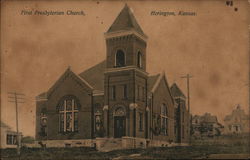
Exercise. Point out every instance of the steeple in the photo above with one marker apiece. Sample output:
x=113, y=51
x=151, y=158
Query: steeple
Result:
x=125, y=21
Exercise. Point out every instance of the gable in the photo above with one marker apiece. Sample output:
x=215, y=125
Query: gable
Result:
x=5, y=126
x=68, y=74
x=176, y=91
x=152, y=80
x=161, y=82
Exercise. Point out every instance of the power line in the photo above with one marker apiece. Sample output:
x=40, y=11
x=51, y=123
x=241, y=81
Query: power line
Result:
x=15, y=98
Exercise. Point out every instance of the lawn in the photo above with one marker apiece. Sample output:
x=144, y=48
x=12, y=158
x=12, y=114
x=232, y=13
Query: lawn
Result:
x=199, y=148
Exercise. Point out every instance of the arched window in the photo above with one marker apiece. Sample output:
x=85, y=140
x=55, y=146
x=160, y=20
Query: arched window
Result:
x=164, y=119
x=139, y=60
x=120, y=59
x=68, y=114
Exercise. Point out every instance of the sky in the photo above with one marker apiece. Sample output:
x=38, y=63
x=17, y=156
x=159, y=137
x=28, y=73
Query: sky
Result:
x=213, y=46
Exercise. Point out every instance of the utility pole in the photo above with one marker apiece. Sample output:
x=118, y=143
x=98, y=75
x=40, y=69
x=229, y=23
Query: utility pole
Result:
x=16, y=98
x=188, y=76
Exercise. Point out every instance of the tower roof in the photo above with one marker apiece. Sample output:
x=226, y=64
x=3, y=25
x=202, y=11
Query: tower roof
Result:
x=125, y=21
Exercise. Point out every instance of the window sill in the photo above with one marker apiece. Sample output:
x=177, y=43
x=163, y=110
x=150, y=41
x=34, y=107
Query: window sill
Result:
x=119, y=66
x=68, y=132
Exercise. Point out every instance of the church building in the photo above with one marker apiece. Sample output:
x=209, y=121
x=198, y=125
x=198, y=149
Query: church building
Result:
x=116, y=103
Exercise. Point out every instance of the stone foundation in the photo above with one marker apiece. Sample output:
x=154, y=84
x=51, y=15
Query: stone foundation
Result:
x=108, y=144
x=64, y=143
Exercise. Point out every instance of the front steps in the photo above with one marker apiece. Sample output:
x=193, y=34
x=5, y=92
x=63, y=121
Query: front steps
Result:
x=108, y=144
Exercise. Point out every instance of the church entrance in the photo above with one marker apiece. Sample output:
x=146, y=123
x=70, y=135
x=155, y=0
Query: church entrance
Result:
x=119, y=126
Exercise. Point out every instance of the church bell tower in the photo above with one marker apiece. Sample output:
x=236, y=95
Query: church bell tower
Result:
x=125, y=79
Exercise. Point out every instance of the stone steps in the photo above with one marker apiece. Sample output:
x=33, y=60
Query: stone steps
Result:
x=111, y=144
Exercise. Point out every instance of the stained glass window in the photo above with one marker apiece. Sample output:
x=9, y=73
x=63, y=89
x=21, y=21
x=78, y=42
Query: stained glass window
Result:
x=68, y=116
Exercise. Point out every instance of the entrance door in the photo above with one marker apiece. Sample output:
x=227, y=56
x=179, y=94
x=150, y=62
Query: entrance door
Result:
x=119, y=126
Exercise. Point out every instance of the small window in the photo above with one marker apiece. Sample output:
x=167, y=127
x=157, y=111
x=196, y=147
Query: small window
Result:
x=182, y=117
x=183, y=132
x=138, y=92
x=139, y=60
x=120, y=59
x=113, y=92
x=143, y=94
x=125, y=91
x=11, y=139
x=140, y=121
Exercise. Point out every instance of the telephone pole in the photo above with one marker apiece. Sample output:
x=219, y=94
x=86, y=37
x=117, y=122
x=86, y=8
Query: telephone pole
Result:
x=188, y=76
x=16, y=98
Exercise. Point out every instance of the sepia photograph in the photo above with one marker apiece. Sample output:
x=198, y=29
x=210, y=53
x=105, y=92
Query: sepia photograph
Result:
x=125, y=79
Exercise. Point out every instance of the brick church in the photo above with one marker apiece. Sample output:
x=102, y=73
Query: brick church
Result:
x=115, y=103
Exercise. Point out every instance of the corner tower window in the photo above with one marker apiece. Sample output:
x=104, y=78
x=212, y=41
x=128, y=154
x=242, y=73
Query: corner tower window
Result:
x=139, y=61
x=120, y=59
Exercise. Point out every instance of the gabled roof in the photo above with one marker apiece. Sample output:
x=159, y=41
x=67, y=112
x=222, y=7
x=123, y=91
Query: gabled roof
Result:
x=155, y=82
x=125, y=21
x=42, y=95
x=3, y=125
x=237, y=112
x=82, y=82
x=208, y=118
x=176, y=91
x=152, y=80
x=95, y=76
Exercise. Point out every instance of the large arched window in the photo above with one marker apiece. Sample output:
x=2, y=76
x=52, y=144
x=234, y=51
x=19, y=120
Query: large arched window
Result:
x=164, y=119
x=120, y=59
x=68, y=114
x=139, y=60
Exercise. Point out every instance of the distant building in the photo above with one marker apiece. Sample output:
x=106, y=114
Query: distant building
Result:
x=8, y=137
x=206, y=125
x=237, y=121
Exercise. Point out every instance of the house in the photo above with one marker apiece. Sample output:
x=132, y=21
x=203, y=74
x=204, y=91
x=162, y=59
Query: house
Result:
x=206, y=125
x=237, y=122
x=114, y=104
x=9, y=138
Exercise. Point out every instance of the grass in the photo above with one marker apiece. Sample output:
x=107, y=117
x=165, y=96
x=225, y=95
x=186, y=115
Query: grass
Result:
x=65, y=153
x=232, y=144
